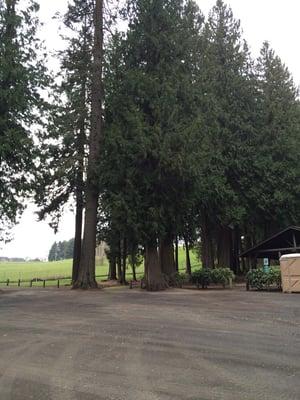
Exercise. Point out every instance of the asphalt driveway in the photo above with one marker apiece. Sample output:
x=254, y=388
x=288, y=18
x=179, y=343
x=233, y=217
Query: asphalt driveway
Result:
x=121, y=344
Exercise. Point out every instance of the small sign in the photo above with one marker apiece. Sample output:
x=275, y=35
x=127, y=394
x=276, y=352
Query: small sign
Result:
x=266, y=265
x=266, y=262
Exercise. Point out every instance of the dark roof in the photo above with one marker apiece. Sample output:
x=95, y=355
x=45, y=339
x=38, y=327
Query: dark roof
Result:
x=284, y=242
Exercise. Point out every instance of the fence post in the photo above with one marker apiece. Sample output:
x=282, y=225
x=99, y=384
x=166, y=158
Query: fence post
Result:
x=44, y=284
x=58, y=284
x=19, y=282
x=7, y=282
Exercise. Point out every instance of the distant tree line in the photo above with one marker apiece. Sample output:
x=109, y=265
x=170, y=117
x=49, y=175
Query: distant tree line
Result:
x=12, y=259
x=61, y=250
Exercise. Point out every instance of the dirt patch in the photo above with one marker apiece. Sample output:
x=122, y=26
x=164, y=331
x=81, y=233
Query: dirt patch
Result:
x=126, y=344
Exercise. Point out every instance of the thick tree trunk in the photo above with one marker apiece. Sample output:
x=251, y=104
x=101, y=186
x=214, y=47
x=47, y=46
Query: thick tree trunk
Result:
x=155, y=280
x=86, y=276
x=133, y=266
x=78, y=236
x=79, y=190
x=134, y=271
x=166, y=255
x=112, y=274
x=225, y=255
x=207, y=253
x=187, y=256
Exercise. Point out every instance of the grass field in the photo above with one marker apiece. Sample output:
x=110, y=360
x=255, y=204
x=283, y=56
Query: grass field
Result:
x=27, y=271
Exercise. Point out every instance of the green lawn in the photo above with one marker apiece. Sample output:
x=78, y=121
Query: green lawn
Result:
x=62, y=269
x=42, y=270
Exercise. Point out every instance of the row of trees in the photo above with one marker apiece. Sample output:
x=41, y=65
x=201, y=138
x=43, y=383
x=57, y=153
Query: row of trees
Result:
x=61, y=250
x=193, y=139
x=202, y=139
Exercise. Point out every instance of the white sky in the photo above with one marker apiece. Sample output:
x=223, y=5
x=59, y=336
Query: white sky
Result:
x=274, y=20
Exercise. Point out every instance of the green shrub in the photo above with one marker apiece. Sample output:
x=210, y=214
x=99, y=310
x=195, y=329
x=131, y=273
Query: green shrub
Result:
x=204, y=277
x=177, y=280
x=222, y=276
x=261, y=280
x=201, y=277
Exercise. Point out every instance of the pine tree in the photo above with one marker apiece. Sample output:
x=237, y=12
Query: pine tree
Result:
x=22, y=77
x=63, y=144
x=228, y=129
x=148, y=99
x=53, y=256
x=86, y=274
x=276, y=201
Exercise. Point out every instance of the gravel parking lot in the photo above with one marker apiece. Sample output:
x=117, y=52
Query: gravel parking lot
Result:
x=121, y=344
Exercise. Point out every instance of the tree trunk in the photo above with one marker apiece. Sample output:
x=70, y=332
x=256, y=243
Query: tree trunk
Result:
x=187, y=257
x=155, y=280
x=78, y=236
x=119, y=263
x=79, y=188
x=224, y=247
x=112, y=274
x=133, y=260
x=134, y=271
x=86, y=276
x=124, y=259
x=166, y=255
x=176, y=254
x=236, y=266
x=207, y=253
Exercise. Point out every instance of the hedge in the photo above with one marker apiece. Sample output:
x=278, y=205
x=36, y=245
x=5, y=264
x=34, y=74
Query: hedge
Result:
x=262, y=280
x=204, y=277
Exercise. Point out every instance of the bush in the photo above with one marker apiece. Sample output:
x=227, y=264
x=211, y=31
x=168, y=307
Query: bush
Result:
x=222, y=276
x=177, y=280
x=201, y=277
x=261, y=280
x=204, y=277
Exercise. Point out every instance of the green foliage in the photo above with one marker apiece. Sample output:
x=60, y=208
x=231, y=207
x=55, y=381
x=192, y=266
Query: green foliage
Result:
x=61, y=250
x=200, y=139
x=261, y=280
x=22, y=79
x=148, y=103
x=62, y=145
x=178, y=279
x=205, y=277
x=201, y=277
x=222, y=276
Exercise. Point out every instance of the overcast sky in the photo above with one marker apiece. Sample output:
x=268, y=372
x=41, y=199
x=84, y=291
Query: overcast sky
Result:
x=274, y=20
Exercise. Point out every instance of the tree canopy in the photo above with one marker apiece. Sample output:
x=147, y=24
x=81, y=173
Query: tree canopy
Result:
x=166, y=129
x=22, y=78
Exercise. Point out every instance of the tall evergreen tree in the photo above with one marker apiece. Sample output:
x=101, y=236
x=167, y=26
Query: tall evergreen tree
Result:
x=86, y=274
x=64, y=143
x=275, y=199
x=147, y=118
x=22, y=78
x=226, y=137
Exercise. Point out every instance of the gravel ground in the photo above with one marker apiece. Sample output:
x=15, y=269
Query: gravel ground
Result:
x=121, y=344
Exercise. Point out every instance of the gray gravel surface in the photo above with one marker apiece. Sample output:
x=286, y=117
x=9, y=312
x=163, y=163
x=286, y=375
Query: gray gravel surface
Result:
x=121, y=344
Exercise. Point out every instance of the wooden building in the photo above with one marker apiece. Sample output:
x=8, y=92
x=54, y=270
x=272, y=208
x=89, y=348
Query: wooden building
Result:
x=283, y=242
